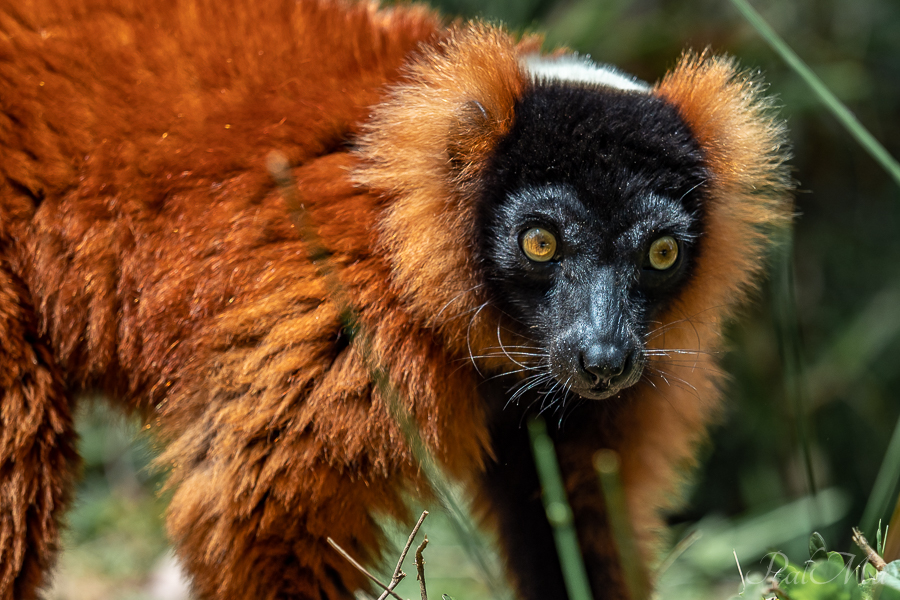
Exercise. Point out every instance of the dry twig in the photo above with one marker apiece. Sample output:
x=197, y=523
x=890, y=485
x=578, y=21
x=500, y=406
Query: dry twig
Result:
x=773, y=588
x=420, y=568
x=398, y=575
x=362, y=569
x=871, y=555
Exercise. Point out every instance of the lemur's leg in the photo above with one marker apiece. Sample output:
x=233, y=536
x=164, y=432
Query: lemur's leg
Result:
x=272, y=544
x=38, y=459
x=576, y=445
x=511, y=489
x=253, y=507
x=511, y=496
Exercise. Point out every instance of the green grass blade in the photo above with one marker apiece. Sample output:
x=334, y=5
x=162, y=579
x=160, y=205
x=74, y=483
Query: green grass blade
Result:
x=883, y=491
x=837, y=108
x=787, y=330
x=559, y=513
x=608, y=468
x=455, y=508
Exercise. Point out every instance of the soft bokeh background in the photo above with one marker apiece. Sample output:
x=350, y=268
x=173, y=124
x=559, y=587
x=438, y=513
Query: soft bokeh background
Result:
x=816, y=365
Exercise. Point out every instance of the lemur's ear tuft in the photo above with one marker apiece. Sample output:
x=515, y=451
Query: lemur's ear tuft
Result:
x=744, y=142
x=748, y=189
x=426, y=147
x=456, y=100
x=472, y=129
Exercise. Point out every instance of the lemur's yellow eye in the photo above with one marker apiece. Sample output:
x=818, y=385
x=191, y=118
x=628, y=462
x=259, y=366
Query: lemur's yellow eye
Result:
x=663, y=253
x=538, y=244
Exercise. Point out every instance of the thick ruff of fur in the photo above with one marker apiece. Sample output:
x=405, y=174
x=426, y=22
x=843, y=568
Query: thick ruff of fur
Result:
x=146, y=253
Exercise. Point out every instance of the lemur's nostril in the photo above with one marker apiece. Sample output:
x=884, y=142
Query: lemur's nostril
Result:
x=601, y=363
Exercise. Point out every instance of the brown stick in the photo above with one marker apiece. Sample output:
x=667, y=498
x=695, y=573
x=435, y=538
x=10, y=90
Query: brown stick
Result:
x=363, y=570
x=420, y=568
x=871, y=555
x=398, y=575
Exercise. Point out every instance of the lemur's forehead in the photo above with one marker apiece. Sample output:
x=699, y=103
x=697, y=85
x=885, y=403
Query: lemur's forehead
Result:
x=610, y=144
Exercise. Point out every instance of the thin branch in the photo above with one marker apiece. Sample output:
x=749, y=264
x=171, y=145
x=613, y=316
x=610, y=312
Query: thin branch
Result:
x=873, y=556
x=409, y=541
x=398, y=575
x=420, y=568
x=773, y=588
x=362, y=569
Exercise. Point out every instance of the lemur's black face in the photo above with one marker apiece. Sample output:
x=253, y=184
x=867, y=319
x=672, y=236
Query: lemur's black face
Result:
x=593, y=214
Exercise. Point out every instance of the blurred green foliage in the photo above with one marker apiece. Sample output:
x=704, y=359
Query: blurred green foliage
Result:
x=114, y=537
x=844, y=329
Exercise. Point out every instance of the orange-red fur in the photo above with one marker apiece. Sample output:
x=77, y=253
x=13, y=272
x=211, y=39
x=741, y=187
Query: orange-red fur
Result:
x=146, y=253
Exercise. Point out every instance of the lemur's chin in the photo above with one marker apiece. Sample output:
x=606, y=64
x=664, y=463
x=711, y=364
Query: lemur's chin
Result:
x=600, y=392
x=609, y=389
x=596, y=394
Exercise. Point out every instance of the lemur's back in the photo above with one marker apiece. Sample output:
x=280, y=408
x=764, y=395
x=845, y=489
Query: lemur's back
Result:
x=136, y=209
x=138, y=132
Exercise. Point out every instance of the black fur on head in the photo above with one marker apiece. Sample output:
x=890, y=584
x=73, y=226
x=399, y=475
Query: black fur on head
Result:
x=604, y=174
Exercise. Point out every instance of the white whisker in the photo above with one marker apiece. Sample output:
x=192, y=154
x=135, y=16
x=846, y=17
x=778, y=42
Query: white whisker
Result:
x=469, y=337
x=457, y=297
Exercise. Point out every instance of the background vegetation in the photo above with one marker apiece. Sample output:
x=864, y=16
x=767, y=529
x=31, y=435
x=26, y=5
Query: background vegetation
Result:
x=816, y=364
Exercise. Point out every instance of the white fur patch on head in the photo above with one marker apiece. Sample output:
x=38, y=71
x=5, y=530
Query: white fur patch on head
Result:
x=580, y=69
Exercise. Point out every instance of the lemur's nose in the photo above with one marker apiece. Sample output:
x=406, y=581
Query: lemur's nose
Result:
x=601, y=363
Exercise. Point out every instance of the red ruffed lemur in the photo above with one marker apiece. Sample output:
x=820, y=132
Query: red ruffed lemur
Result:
x=515, y=232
